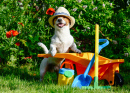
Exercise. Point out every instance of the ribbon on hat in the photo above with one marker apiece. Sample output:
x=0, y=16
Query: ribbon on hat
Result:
x=61, y=13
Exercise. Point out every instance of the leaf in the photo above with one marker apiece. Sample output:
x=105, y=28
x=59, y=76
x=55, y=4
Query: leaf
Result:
x=36, y=38
x=13, y=58
x=14, y=49
x=23, y=42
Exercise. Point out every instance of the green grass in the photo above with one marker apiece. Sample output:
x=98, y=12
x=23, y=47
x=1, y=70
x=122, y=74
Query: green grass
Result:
x=25, y=79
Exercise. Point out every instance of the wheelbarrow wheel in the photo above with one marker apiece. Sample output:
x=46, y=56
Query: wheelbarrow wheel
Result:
x=118, y=80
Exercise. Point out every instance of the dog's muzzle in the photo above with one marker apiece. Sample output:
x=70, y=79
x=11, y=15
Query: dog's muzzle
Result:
x=60, y=25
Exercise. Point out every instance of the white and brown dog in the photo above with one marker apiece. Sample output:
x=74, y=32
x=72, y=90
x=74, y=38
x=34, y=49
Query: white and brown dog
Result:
x=61, y=42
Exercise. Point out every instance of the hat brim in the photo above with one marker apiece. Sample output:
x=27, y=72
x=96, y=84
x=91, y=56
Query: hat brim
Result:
x=70, y=17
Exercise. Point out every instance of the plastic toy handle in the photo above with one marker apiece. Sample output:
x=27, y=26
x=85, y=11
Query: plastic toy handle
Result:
x=67, y=63
x=93, y=59
x=103, y=45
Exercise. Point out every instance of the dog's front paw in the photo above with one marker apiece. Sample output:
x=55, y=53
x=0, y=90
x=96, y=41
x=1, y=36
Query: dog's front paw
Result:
x=78, y=51
x=53, y=52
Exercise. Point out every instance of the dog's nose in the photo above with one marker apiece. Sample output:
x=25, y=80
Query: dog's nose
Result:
x=59, y=20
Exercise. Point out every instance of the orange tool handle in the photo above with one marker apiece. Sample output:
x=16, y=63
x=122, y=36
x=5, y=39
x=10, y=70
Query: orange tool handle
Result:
x=67, y=63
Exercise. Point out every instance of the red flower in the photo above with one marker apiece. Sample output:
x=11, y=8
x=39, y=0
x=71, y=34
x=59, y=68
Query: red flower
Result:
x=8, y=34
x=21, y=24
x=28, y=57
x=11, y=33
x=50, y=11
x=15, y=33
x=18, y=44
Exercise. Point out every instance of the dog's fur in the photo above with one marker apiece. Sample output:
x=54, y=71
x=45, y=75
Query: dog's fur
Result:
x=61, y=42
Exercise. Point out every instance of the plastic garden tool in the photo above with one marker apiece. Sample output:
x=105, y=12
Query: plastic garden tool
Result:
x=85, y=79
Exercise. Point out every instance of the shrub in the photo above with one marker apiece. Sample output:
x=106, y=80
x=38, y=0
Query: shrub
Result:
x=29, y=18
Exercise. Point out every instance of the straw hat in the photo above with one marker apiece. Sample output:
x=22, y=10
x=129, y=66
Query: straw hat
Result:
x=64, y=12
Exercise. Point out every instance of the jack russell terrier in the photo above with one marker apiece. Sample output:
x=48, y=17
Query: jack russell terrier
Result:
x=61, y=42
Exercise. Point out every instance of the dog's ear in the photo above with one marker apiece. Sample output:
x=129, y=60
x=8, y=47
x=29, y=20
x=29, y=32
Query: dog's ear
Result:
x=69, y=21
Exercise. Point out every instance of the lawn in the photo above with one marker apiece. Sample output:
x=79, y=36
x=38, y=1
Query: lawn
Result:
x=25, y=79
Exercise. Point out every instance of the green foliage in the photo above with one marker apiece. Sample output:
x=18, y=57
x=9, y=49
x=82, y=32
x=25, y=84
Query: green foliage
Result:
x=114, y=25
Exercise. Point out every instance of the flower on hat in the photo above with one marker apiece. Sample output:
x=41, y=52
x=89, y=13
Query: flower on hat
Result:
x=50, y=11
x=11, y=33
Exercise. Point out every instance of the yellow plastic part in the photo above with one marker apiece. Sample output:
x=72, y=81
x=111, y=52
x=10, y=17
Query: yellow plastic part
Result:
x=63, y=80
x=96, y=49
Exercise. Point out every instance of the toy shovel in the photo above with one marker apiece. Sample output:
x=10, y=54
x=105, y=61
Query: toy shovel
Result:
x=85, y=79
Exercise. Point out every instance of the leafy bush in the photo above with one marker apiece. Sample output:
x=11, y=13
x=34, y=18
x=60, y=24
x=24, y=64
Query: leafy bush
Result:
x=29, y=18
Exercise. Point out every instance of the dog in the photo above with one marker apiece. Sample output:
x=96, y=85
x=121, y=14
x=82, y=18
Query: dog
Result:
x=61, y=42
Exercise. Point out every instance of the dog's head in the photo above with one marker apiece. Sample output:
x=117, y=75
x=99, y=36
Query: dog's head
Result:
x=61, y=22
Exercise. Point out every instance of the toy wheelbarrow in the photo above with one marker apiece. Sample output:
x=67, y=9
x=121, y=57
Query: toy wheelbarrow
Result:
x=108, y=68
